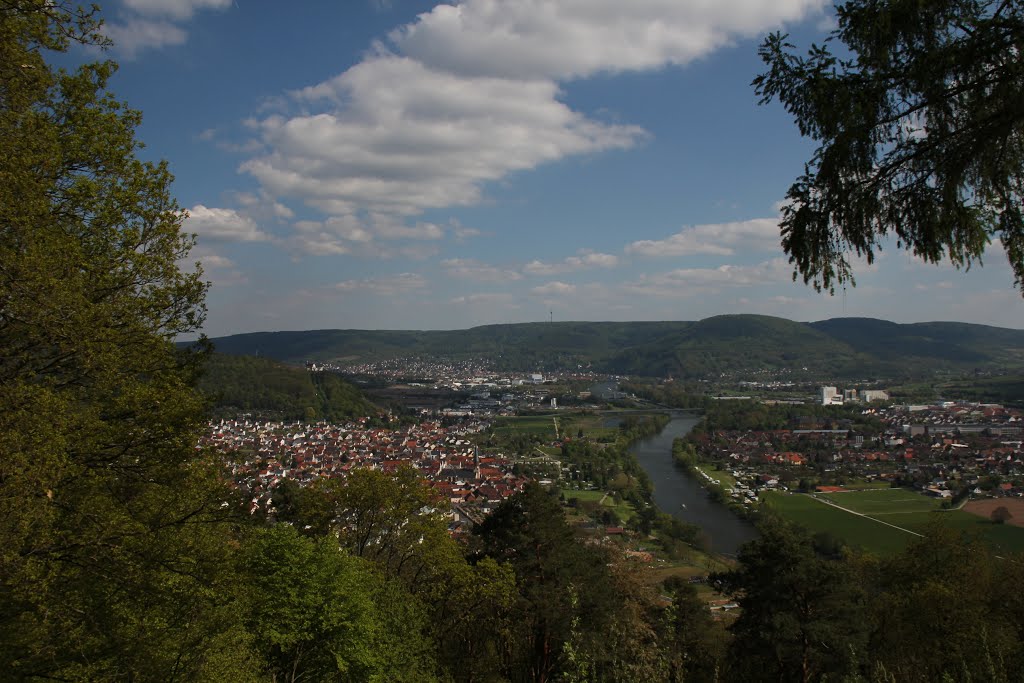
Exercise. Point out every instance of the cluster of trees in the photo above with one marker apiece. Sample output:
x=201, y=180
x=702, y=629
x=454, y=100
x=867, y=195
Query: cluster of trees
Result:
x=612, y=466
x=760, y=416
x=945, y=609
x=523, y=600
x=251, y=384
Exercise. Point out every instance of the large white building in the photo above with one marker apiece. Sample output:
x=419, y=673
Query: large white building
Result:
x=868, y=395
x=831, y=396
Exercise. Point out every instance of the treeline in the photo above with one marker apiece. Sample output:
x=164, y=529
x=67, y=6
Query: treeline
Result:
x=612, y=466
x=946, y=609
x=266, y=388
x=759, y=416
x=687, y=396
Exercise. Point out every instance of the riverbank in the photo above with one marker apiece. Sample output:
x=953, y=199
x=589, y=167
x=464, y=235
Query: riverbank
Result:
x=680, y=494
x=721, y=486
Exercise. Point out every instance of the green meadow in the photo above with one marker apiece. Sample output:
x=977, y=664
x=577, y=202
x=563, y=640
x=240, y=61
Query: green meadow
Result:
x=883, y=502
x=542, y=425
x=569, y=424
x=856, y=531
x=908, y=510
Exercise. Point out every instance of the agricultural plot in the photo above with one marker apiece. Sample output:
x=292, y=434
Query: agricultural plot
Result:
x=569, y=424
x=885, y=521
x=857, y=531
x=983, y=508
x=542, y=425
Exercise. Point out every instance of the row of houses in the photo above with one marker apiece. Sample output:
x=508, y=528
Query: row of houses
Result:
x=939, y=448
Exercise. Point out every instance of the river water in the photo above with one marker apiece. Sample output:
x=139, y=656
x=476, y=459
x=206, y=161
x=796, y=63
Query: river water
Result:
x=679, y=494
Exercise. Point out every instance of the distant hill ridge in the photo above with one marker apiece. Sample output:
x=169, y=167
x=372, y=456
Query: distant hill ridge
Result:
x=842, y=347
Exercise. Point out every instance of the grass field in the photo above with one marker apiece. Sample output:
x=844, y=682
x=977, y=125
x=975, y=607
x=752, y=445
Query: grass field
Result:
x=911, y=512
x=867, y=485
x=543, y=425
x=569, y=424
x=858, y=532
x=725, y=479
x=881, y=502
x=624, y=510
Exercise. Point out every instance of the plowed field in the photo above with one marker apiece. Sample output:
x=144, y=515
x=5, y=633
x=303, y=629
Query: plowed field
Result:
x=984, y=508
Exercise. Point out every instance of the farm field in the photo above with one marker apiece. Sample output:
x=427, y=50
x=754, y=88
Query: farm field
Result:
x=983, y=508
x=818, y=516
x=908, y=510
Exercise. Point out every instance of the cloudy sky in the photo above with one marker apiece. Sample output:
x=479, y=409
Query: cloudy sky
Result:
x=404, y=164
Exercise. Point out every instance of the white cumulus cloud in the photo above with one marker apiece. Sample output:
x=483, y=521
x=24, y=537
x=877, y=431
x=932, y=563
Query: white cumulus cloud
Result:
x=723, y=239
x=137, y=34
x=225, y=225
x=585, y=259
x=471, y=92
x=176, y=9
x=153, y=24
x=684, y=282
x=485, y=298
x=554, y=289
x=561, y=39
x=413, y=138
x=472, y=269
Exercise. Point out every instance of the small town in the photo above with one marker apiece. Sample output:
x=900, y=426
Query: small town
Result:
x=262, y=454
x=942, y=450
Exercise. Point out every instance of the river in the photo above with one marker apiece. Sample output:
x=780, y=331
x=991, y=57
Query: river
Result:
x=679, y=494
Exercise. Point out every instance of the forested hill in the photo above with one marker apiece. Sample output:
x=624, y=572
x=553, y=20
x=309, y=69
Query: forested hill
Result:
x=842, y=347
x=247, y=384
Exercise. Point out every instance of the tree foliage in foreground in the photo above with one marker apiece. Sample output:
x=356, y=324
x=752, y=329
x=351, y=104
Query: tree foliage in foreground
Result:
x=111, y=547
x=917, y=109
x=945, y=609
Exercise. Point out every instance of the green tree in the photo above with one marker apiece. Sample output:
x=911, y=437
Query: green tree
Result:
x=321, y=615
x=695, y=644
x=801, y=614
x=921, y=131
x=396, y=522
x=113, y=556
x=943, y=610
x=1001, y=515
x=566, y=592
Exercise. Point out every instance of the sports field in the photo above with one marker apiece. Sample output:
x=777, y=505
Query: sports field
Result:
x=885, y=521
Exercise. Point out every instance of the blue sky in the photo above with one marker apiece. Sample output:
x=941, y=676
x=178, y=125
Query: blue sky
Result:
x=407, y=165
